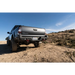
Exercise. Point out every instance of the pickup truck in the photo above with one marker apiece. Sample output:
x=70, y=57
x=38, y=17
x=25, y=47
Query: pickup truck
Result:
x=25, y=35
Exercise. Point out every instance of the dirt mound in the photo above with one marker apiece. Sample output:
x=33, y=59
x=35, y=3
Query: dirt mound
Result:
x=63, y=38
x=45, y=53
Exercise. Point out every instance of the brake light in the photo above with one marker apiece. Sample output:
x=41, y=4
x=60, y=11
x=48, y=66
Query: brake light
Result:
x=45, y=34
x=19, y=30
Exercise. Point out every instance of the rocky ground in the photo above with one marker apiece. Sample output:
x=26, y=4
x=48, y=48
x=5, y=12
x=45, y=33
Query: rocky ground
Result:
x=47, y=52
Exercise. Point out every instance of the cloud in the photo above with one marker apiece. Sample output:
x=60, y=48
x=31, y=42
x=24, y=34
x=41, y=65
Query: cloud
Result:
x=58, y=24
x=50, y=30
x=71, y=26
x=67, y=18
x=73, y=14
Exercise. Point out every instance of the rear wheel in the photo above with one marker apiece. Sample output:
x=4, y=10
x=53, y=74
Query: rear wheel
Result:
x=13, y=45
x=36, y=44
x=18, y=46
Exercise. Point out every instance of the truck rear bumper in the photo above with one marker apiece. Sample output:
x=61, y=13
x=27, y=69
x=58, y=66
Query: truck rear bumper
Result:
x=32, y=37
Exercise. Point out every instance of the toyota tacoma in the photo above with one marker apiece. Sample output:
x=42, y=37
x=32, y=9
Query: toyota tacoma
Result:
x=25, y=35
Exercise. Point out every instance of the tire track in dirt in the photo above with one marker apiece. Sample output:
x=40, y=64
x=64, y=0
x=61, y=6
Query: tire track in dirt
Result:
x=4, y=49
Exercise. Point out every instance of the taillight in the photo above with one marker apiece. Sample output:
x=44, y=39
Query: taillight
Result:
x=19, y=30
x=45, y=34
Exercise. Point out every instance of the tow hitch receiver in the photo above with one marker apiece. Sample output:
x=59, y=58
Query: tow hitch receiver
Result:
x=43, y=39
x=27, y=40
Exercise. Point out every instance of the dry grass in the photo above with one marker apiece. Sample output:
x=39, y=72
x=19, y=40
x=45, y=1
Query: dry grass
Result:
x=63, y=38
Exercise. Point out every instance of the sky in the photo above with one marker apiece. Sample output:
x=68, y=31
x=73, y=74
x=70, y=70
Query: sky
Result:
x=52, y=22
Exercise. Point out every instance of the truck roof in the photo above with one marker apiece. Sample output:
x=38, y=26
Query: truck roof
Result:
x=19, y=25
x=26, y=26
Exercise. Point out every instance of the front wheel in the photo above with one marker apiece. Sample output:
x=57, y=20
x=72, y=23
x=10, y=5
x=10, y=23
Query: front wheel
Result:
x=14, y=45
x=36, y=44
x=8, y=43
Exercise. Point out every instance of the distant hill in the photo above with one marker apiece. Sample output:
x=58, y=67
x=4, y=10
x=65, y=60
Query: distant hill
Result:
x=63, y=38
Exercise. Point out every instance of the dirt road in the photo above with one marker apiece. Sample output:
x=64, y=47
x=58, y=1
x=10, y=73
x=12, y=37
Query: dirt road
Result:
x=44, y=53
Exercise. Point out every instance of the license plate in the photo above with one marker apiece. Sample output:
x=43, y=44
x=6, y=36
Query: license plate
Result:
x=35, y=38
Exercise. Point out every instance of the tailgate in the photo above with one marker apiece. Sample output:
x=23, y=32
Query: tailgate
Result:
x=32, y=31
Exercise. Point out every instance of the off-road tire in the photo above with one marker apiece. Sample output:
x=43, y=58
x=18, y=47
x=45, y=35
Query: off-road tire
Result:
x=36, y=44
x=13, y=45
x=8, y=43
x=18, y=46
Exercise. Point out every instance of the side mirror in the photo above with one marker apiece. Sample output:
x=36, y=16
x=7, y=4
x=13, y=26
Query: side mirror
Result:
x=8, y=33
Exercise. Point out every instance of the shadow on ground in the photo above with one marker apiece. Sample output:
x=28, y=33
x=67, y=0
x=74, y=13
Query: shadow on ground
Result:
x=23, y=48
x=4, y=49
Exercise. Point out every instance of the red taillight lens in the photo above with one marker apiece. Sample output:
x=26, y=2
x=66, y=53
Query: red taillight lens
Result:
x=19, y=30
x=45, y=34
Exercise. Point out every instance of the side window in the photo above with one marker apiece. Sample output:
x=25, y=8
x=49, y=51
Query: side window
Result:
x=11, y=30
x=14, y=28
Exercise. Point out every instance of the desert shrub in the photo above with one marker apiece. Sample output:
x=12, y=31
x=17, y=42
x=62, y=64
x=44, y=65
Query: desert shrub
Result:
x=34, y=62
x=59, y=43
x=72, y=41
x=67, y=38
x=74, y=53
x=68, y=44
x=58, y=40
x=59, y=32
x=72, y=35
x=45, y=42
x=72, y=46
x=55, y=32
x=68, y=41
x=71, y=31
x=63, y=38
